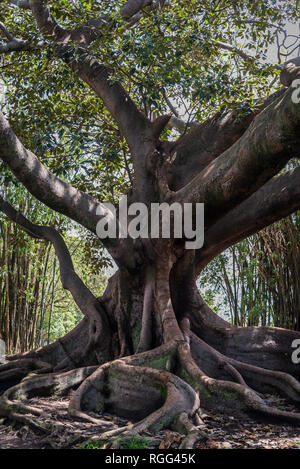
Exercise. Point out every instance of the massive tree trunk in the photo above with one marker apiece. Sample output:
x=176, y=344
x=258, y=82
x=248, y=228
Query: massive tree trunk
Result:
x=151, y=334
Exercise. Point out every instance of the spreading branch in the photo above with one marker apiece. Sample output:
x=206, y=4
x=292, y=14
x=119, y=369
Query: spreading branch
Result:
x=290, y=72
x=83, y=297
x=263, y=150
x=208, y=140
x=277, y=199
x=43, y=184
x=85, y=300
x=51, y=190
x=13, y=44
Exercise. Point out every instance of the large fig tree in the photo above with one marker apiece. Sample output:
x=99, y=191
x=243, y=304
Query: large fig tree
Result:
x=150, y=348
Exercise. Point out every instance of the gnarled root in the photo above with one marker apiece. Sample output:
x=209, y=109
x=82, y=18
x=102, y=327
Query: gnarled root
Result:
x=156, y=389
x=262, y=380
x=155, y=399
x=11, y=401
x=218, y=393
x=193, y=433
x=13, y=372
x=267, y=347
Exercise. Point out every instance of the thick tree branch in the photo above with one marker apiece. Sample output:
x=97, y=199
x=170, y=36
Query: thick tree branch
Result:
x=13, y=44
x=85, y=300
x=132, y=123
x=43, y=184
x=54, y=192
x=205, y=142
x=24, y=4
x=235, y=50
x=271, y=140
x=277, y=199
x=131, y=12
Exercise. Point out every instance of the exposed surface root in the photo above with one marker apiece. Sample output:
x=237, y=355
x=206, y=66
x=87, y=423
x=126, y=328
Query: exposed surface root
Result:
x=260, y=379
x=66, y=353
x=266, y=347
x=156, y=389
x=193, y=433
x=27, y=364
x=220, y=393
x=145, y=389
x=155, y=399
x=11, y=401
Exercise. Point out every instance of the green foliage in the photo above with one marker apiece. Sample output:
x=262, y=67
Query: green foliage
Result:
x=172, y=50
x=135, y=442
x=162, y=390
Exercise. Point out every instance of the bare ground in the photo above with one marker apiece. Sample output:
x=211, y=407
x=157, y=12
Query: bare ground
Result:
x=225, y=431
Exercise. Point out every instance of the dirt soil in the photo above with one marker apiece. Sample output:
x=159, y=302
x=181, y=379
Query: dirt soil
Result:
x=225, y=431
